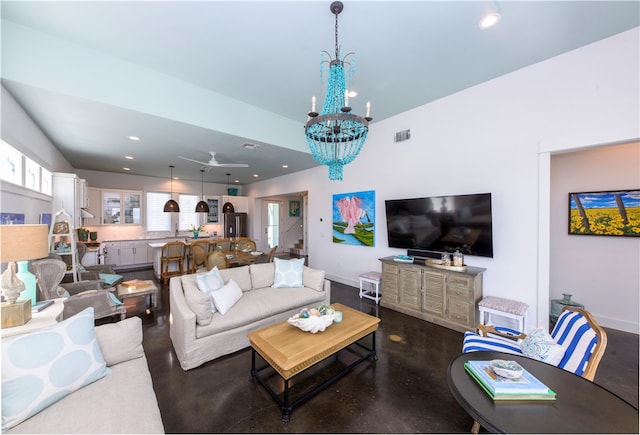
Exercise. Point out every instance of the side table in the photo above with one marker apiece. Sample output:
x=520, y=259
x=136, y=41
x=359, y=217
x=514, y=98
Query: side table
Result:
x=371, y=278
x=47, y=317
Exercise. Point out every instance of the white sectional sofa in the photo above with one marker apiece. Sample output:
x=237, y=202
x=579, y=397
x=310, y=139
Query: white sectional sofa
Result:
x=199, y=336
x=123, y=401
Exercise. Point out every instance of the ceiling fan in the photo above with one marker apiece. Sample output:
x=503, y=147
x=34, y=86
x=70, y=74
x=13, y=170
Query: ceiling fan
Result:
x=214, y=163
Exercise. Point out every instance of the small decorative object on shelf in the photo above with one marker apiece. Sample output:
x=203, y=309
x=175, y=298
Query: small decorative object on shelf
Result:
x=458, y=259
x=313, y=320
x=446, y=259
x=403, y=259
x=61, y=227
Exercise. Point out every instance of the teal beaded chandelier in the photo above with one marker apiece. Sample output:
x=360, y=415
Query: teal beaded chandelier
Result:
x=336, y=136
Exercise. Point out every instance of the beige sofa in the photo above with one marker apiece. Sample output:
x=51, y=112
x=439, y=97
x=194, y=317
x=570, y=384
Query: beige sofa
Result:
x=199, y=336
x=121, y=402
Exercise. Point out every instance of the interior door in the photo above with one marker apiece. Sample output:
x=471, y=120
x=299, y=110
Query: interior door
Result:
x=273, y=225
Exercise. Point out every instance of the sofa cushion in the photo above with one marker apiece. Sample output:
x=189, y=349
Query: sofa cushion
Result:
x=313, y=278
x=209, y=282
x=42, y=367
x=227, y=296
x=240, y=275
x=198, y=302
x=121, y=341
x=260, y=304
x=262, y=274
x=288, y=272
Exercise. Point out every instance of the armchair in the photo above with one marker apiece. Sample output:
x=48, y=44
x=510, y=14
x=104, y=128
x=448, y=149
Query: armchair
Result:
x=583, y=341
x=49, y=273
x=93, y=272
x=576, y=332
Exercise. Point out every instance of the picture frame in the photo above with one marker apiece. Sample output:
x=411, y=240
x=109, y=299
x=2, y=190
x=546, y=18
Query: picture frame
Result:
x=61, y=227
x=354, y=218
x=294, y=208
x=11, y=218
x=604, y=213
x=45, y=218
x=213, y=217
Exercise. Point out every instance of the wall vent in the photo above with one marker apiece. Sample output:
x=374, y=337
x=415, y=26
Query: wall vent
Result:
x=403, y=135
x=250, y=146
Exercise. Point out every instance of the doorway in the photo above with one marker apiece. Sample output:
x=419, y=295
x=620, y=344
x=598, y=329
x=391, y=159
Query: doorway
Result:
x=273, y=224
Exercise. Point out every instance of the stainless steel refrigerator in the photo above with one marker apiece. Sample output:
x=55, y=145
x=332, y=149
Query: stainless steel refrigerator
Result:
x=235, y=225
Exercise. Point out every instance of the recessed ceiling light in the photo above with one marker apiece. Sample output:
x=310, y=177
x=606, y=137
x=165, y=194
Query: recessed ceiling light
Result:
x=353, y=94
x=489, y=20
x=134, y=138
x=126, y=169
x=255, y=175
x=285, y=166
x=236, y=181
x=128, y=157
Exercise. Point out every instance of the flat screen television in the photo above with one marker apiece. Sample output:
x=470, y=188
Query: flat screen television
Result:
x=441, y=224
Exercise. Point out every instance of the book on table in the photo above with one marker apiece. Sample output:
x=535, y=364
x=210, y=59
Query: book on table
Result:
x=527, y=387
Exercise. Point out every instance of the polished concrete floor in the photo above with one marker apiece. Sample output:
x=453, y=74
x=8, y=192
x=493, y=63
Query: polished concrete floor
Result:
x=404, y=391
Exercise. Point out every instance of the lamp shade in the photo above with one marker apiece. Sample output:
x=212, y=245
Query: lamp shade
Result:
x=171, y=206
x=23, y=242
x=202, y=207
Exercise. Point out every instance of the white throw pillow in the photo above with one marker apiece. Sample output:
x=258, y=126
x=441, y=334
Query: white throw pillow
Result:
x=227, y=296
x=313, y=278
x=540, y=345
x=210, y=282
x=120, y=341
x=288, y=273
x=42, y=367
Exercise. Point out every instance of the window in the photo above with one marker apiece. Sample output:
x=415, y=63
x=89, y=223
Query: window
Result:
x=188, y=215
x=10, y=164
x=45, y=185
x=31, y=174
x=157, y=219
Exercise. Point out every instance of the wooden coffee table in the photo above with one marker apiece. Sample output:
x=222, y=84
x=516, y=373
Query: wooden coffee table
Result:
x=290, y=351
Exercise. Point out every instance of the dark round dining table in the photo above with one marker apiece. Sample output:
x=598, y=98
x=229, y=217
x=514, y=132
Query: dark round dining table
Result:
x=581, y=406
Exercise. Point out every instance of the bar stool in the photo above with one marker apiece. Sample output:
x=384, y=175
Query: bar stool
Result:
x=172, y=252
x=371, y=278
x=503, y=307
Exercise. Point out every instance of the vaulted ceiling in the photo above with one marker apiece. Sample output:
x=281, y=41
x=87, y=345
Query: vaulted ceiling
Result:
x=188, y=78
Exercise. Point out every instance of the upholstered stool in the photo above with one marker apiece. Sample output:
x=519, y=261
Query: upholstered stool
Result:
x=371, y=278
x=505, y=308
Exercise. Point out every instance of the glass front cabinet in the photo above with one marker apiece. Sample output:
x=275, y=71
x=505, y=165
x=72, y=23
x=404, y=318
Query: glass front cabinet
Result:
x=121, y=207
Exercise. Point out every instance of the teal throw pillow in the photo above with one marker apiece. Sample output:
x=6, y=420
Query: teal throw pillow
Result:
x=42, y=367
x=288, y=273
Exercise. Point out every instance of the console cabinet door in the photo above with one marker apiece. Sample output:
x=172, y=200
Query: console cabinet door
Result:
x=434, y=284
x=390, y=283
x=460, y=299
x=410, y=289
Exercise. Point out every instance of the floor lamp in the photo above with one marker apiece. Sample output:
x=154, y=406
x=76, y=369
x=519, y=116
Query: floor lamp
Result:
x=20, y=243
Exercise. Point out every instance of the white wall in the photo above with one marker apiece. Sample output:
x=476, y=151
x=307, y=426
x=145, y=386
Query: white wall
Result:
x=19, y=131
x=596, y=270
x=485, y=139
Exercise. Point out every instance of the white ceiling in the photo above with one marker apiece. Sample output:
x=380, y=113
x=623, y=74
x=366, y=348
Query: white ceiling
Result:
x=193, y=77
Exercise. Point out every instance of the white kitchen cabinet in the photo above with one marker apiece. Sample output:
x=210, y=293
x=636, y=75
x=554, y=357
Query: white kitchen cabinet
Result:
x=70, y=194
x=121, y=207
x=94, y=206
x=134, y=252
x=111, y=253
x=240, y=203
